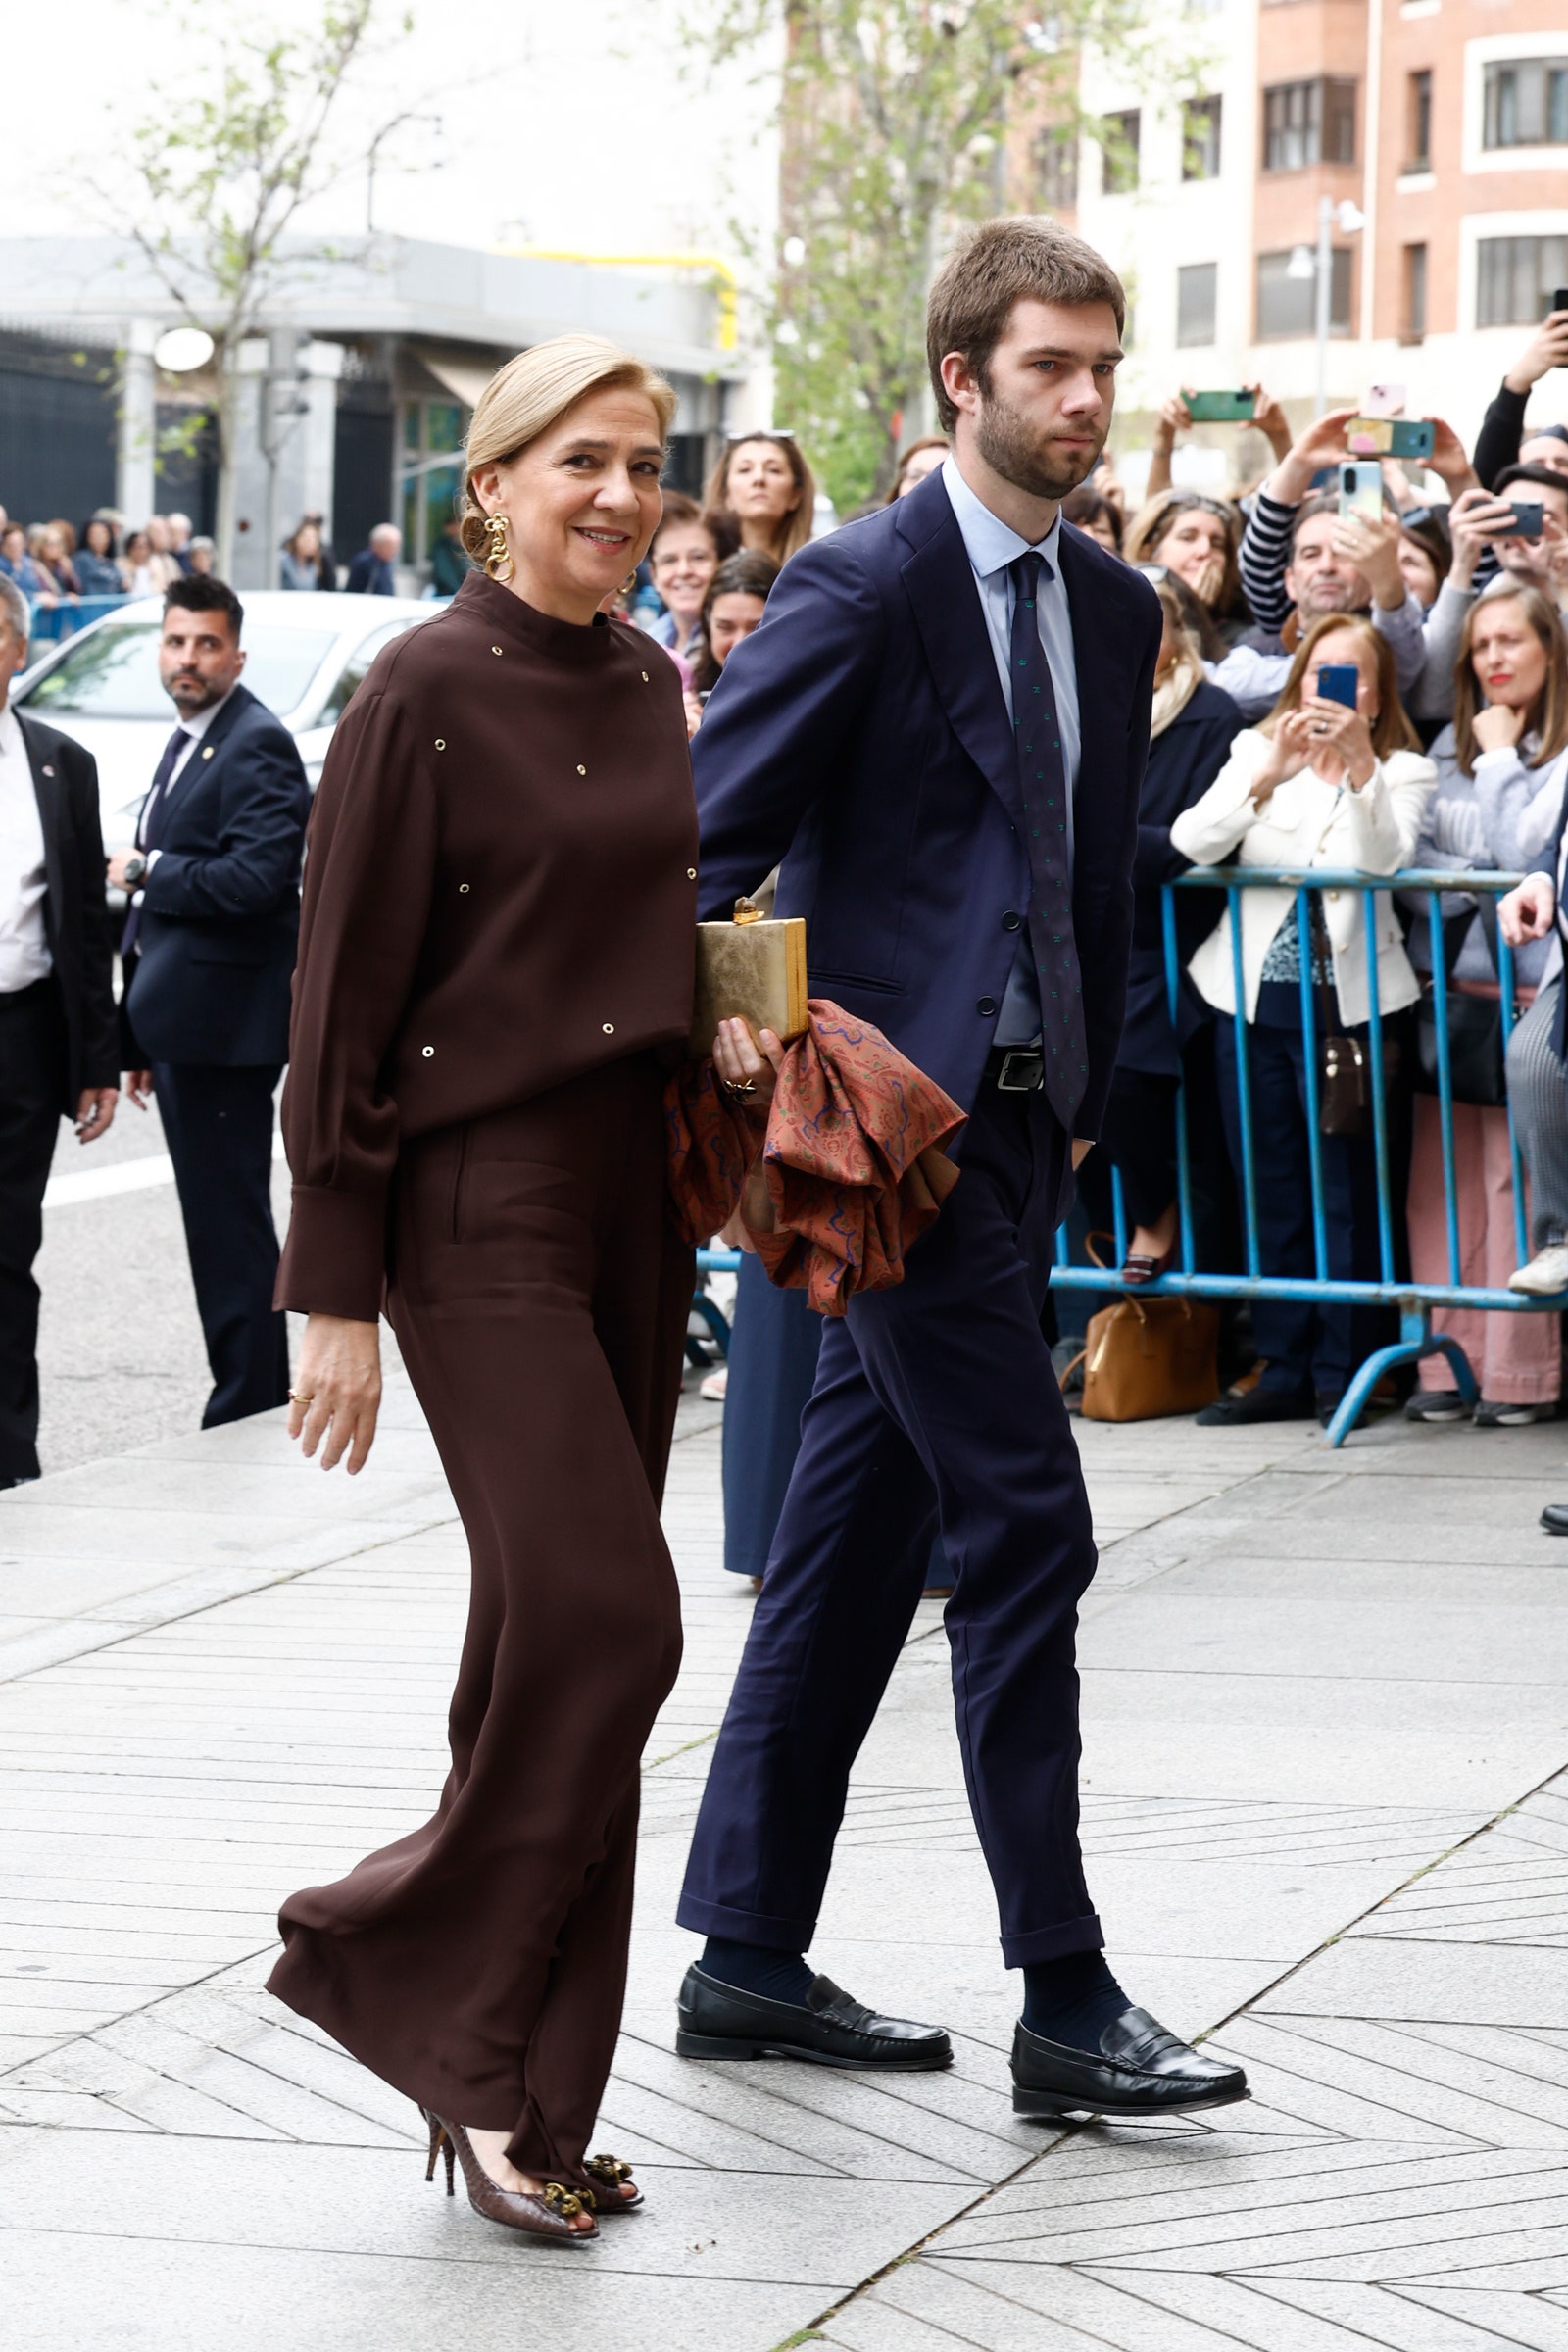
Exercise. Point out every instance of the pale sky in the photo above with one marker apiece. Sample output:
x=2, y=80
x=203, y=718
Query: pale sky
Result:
x=564, y=122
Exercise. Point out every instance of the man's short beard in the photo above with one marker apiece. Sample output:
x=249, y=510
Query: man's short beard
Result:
x=1024, y=459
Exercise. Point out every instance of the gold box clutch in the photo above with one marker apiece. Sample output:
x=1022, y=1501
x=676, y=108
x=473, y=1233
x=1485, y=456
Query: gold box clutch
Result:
x=751, y=969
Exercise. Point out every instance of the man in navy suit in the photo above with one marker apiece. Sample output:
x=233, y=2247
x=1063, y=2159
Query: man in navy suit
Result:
x=372, y=571
x=209, y=954
x=941, y=729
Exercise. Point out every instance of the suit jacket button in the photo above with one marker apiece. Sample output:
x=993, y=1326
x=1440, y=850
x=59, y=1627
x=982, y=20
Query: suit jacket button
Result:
x=1011, y=922
x=987, y=1005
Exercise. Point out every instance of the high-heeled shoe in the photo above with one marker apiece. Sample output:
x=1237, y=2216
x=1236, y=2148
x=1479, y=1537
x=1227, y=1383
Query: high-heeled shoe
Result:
x=609, y=2177
x=549, y=2212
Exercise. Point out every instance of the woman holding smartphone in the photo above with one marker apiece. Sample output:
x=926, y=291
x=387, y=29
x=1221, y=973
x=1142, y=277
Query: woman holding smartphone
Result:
x=1502, y=768
x=1333, y=777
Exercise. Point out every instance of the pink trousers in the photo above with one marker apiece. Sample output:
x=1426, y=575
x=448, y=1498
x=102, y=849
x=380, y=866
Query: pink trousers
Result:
x=1516, y=1358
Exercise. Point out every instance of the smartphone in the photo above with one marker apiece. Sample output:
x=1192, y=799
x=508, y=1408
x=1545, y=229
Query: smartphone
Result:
x=1385, y=400
x=1559, y=298
x=1529, y=519
x=1338, y=682
x=1390, y=437
x=1362, y=490
x=1220, y=408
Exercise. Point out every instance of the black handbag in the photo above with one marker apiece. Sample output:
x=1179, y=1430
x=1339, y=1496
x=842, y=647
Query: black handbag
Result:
x=1475, y=1023
x=1343, y=1064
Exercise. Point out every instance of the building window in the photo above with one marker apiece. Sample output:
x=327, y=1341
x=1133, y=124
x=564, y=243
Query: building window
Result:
x=1527, y=103
x=1418, y=122
x=1056, y=169
x=1415, y=293
x=1196, y=292
x=1200, y=126
x=431, y=473
x=1308, y=122
x=1517, y=278
x=1288, y=306
x=1120, y=149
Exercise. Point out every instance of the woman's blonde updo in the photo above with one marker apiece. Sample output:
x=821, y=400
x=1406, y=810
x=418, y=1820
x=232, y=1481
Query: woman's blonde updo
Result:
x=524, y=398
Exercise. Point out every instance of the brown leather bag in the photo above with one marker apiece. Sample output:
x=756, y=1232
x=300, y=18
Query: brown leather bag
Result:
x=1147, y=1358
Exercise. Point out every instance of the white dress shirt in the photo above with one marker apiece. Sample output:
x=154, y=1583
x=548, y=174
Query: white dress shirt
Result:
x=991, y=545
x=23, y=941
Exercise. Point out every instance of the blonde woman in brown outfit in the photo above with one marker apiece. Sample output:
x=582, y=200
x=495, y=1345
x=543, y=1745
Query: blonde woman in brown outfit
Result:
x=495, y=973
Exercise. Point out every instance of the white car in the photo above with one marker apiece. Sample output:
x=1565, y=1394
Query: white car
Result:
x=305, y=655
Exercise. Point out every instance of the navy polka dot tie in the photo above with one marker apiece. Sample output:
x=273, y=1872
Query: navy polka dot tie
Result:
x=1042, y=778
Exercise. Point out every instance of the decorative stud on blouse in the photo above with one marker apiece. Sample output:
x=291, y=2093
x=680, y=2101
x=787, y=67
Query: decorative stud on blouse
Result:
x=440, y=743
x=581, y=770
x=609, y=1028
x=429, y=1052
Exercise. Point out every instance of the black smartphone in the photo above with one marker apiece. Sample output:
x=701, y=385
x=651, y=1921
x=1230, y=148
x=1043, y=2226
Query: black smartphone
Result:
x=1338, y=682
x=1559, y=301
x=1529, y=519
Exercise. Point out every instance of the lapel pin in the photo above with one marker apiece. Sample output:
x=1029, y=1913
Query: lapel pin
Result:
x=207, y=750
x=48, y=770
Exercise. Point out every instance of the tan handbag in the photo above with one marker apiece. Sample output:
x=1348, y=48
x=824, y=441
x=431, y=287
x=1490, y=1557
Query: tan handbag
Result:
x=1147, y=1358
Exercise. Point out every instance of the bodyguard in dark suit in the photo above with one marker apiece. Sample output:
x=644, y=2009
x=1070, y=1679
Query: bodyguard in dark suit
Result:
x=941, y=727
x=209, y=948
x=59, y=1053
x=372, y=571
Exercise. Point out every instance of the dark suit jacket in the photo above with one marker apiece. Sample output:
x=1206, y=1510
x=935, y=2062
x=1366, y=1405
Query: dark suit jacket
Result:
x=369, y=574
x=65, y=778
x=1183, y=763
x=220, y=911
x=860, y=735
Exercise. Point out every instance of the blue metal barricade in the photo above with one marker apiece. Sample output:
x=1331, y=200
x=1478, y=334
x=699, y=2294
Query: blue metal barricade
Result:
x=1415, y=1301
x=52, y=622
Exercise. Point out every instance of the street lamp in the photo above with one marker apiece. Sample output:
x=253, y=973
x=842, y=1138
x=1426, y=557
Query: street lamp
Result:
x=1304, y=262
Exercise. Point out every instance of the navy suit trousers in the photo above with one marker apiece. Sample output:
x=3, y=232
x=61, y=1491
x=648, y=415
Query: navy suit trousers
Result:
x=219, y=1126
x=938, y=1394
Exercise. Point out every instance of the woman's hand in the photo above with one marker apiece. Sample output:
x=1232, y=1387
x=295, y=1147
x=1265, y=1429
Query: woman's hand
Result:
x=1288, y=753
x=1450, y=459
x=1271, y=420
x=1497, y=729
x=1528, y=911
x=337, y=1390
x=694, y=714
x=742, y=1068
x=1173, y=418
x=1337, y=735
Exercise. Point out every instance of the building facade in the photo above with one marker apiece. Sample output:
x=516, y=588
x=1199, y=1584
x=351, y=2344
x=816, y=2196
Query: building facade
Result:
x=354, y=396
x=1441, y=123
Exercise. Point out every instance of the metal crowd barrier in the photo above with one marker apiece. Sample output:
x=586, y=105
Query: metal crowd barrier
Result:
x=52, y=622
x=1414, y=1302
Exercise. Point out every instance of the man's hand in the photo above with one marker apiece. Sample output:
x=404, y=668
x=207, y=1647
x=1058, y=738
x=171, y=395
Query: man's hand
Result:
x=1080, y=1152
x=337, y=1390
x=95, y=1112
x=1475, y=518
x=1496, y=729
x=1529, y=910
x=117, y=870
x=1547, y=347
x=139, y=1088
x=1373, y=549
x=1322, y=444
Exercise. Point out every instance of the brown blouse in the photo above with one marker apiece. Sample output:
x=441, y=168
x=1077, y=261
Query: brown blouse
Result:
x=500, y=893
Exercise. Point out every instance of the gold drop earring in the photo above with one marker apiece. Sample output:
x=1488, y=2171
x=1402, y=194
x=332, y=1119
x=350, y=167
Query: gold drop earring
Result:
x=498, y=562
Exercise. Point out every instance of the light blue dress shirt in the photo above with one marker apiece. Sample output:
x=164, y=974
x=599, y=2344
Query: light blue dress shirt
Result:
x=991, y=545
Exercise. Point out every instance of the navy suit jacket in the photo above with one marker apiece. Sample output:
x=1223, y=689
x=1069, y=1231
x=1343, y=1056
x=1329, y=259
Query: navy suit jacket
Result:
x=220, y=909
x=860, y=735
x=370, y=574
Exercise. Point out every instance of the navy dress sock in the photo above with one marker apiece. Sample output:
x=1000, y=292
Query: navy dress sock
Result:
x=1072, y=2000
x=757, y=1968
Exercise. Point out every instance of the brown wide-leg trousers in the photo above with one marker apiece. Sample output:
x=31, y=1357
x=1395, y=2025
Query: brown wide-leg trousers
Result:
x=539, y=1297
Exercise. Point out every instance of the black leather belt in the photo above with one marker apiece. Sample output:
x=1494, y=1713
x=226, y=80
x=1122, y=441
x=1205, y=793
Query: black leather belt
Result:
x=1016, y=1069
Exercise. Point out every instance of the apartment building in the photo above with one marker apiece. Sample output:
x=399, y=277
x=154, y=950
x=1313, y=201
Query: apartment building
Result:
x=1440, y=130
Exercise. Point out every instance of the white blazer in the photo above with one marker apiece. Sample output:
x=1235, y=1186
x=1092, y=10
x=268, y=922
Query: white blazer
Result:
x=1306, y=823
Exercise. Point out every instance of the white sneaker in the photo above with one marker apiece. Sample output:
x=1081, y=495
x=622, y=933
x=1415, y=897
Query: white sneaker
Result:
x=1546, y=1275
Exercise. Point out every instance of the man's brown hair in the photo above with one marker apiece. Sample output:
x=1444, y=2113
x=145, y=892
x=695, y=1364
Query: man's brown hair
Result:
x=1023, y=257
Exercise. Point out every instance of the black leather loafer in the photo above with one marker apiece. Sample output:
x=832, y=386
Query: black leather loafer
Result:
x=1141, y=2070
x=721, y=2021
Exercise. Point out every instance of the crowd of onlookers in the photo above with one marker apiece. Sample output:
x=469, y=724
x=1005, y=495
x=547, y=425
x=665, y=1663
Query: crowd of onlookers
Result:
x=59, y=563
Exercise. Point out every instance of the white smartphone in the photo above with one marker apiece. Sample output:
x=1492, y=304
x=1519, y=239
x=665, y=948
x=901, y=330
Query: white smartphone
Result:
x=1385, y=400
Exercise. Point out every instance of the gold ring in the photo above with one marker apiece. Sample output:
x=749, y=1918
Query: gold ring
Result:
x=296, y=1397
x=733, y=1086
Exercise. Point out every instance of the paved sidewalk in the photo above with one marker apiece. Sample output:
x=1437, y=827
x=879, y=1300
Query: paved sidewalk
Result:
x=1325, y=1705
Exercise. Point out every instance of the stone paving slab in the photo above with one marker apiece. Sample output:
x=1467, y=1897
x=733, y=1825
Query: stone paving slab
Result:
x=1326, y=1815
